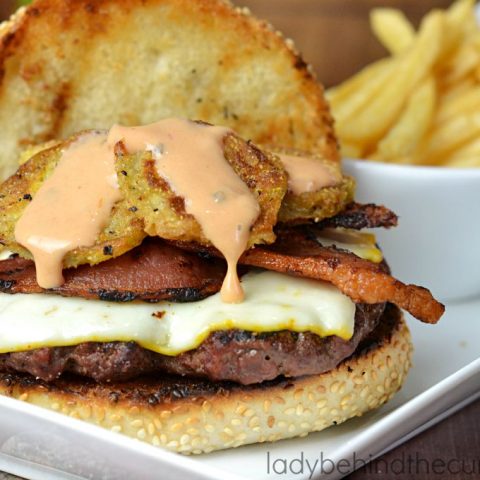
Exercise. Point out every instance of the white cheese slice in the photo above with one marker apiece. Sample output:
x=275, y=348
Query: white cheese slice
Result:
x=362, y=244
x=274, y=302
x=5, y=254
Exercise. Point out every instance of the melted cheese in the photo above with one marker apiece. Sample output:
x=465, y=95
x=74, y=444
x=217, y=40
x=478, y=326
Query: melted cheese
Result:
x=362, y=244
x=5, y=254
x=275, y=302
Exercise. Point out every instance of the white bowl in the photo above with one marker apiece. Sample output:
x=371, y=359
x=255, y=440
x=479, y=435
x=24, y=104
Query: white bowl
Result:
x=437, y=242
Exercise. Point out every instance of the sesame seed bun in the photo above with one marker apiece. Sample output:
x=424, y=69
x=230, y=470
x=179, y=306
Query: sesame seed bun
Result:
x=196, y=416
x=67, y=66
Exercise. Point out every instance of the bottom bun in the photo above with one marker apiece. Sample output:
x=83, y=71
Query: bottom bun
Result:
x=196, y=416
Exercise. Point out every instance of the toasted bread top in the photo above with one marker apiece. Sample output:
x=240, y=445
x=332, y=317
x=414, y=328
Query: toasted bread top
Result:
x=68, y=65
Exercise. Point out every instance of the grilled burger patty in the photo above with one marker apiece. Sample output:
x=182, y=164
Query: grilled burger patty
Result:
x=236, y=355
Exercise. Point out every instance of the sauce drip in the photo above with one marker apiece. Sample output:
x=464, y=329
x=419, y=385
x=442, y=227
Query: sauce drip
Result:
x=306, y=174
x=189, y=156
x=74, y=203
x=71, y=207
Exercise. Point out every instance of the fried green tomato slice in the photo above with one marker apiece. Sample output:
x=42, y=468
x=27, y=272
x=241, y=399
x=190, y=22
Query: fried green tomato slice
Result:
x=324, y=203
x=123, y=232
x=163, y=213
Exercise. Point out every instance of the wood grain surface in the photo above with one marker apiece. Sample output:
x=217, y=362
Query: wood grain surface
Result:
x=447, y=451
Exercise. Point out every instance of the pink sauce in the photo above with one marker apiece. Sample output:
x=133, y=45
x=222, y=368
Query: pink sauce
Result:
x=71, y=207
x=307, y=174
x=189, y=156
x=74, y=204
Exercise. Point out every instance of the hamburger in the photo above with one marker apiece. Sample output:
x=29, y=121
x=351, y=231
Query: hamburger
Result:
x=199, y=284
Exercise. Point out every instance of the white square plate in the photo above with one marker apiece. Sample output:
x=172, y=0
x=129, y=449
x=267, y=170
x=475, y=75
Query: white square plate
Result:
x=40, y=444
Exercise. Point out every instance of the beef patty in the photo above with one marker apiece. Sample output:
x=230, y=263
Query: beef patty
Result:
x=236, y=355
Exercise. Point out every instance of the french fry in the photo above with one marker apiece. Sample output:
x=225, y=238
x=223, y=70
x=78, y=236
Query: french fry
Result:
x=404, y=137
x=421, y=105
x=351, y=150
x=460, y=21
x=454, y=92
x=356, y=92
x=463, y=162
x=463, y=63
x=469, y=149
x=461, y=104
x=450, y=136
x=392, y=29
x=370, y=123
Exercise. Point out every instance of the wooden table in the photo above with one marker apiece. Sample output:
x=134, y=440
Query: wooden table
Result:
x=437, y=454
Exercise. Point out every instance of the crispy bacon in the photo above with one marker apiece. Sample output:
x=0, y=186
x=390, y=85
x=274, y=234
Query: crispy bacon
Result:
x=159, y=271
x=296, y=253
x=154, y=271
x=358, y=216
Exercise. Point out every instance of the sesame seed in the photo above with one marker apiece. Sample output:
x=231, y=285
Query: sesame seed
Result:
x=136, y=423
x=298, y=394
x=240, y=409
x=253, y=422
x=176, y=427
x=364, y=392
x=141, y=434
x=116, y=429
x=334, y=387
x=196, y=442
x=321, y=403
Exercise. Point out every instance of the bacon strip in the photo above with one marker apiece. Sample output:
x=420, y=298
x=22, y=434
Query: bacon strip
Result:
x=153, y=271
x=158, y=271
x=363, y=281
x=358, y=216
